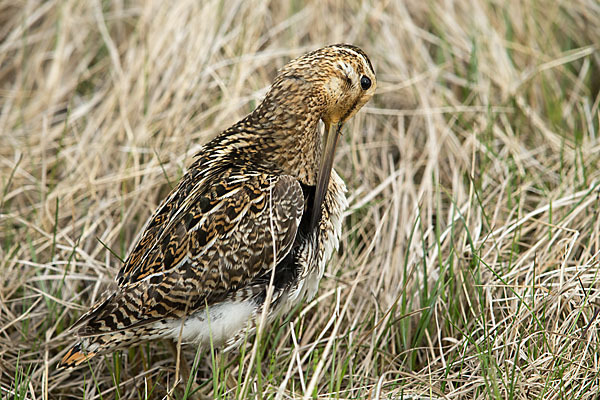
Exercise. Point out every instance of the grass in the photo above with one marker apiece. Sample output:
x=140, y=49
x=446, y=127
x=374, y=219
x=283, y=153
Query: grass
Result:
x=469, y=263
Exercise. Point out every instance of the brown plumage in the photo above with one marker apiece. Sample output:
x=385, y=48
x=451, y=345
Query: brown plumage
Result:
x=261, y=194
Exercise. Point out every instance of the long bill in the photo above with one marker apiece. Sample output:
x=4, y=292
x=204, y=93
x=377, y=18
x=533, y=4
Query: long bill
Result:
x=332, y=132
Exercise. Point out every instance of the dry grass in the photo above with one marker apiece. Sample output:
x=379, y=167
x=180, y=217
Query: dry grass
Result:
x=469, y=266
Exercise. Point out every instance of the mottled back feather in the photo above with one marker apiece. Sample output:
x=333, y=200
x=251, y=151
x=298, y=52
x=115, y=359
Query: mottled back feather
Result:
x=216, y=242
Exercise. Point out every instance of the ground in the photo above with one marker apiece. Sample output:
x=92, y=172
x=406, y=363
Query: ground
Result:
x=469, y=262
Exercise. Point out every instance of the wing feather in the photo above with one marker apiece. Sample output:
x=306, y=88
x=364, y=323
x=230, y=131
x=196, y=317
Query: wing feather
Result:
x=210, y=244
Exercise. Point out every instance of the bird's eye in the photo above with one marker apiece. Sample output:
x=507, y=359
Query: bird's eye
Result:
x=365, y=82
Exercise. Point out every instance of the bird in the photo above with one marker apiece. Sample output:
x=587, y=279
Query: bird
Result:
x=255, y=218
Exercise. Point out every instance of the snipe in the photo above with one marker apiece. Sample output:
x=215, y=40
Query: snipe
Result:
x=262, y=194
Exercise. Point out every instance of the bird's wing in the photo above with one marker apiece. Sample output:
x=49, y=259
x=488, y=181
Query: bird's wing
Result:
x=199, y=249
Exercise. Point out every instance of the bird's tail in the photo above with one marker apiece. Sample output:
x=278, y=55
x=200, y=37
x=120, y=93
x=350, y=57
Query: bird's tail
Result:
x=92, y=346
x=93, y=340
x=83, y=351
x=108, y=342
x=75, y=356
x=107, y=326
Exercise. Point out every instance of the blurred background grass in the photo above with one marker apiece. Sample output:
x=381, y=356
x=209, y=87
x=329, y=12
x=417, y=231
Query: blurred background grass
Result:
x=469, y=262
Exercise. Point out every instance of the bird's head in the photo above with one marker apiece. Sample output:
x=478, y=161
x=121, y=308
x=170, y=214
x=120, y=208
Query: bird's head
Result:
x=339, y=79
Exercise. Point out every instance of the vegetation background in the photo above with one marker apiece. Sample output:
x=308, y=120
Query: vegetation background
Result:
x=469, y=264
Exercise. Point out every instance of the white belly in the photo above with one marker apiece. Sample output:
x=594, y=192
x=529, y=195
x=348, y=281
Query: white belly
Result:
x=217, y=324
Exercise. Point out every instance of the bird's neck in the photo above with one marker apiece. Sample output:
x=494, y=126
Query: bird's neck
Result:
x=289, y=136
x=297, y=150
